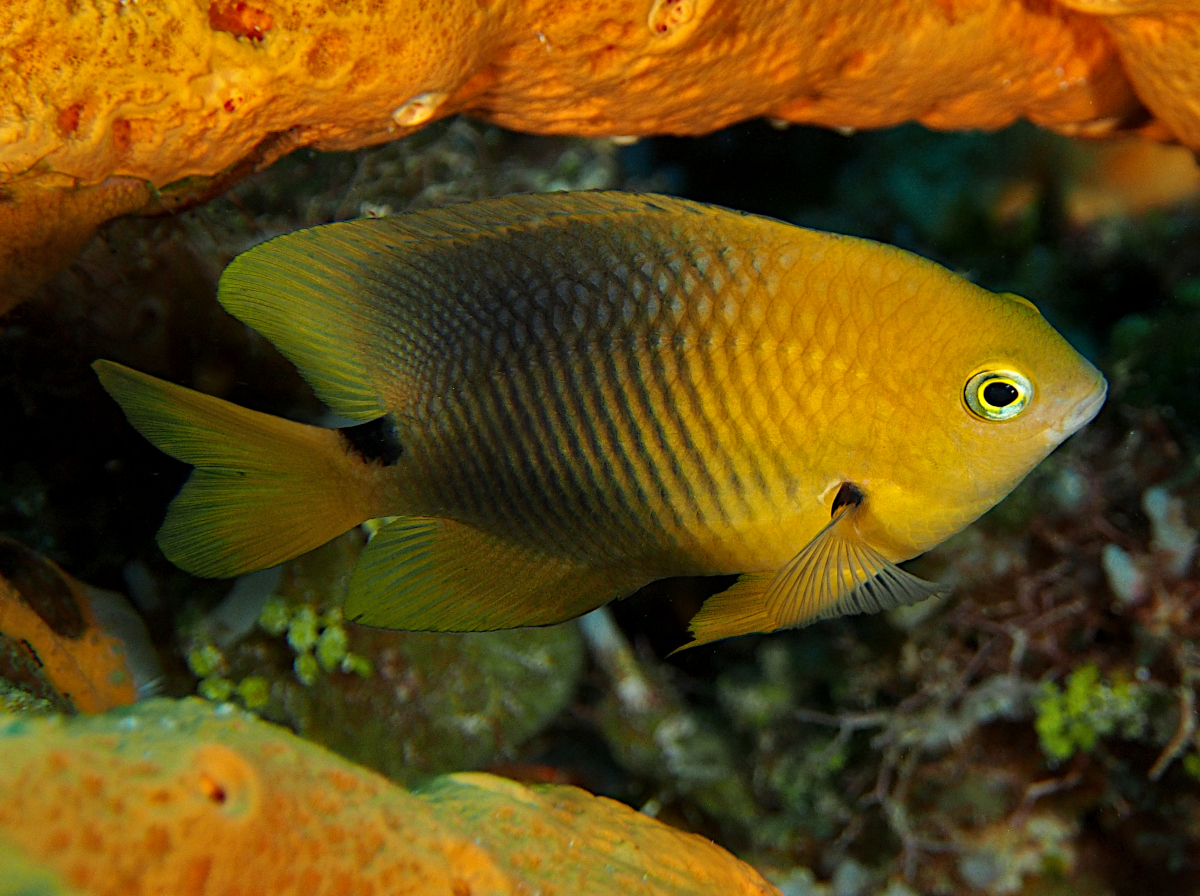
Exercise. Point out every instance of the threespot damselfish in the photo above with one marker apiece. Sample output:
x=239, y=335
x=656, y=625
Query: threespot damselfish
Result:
x=558, y=398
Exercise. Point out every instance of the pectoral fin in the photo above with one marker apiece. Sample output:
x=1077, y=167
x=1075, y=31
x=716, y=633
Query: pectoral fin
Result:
x=424, y=574
x=836, y=574
x=738, y=610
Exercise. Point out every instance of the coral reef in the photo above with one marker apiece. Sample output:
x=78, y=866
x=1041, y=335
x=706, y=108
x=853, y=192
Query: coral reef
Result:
x=1030, y=734
x=409, y=704
x=117, y=803
x=115, y=107
x=653, y=732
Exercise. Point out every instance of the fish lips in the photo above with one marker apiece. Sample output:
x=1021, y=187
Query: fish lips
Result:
x=1082, y=413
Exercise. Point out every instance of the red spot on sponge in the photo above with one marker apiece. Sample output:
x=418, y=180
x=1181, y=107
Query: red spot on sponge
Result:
x=240, y=18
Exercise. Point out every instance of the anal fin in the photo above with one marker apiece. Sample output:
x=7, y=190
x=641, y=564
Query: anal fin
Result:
x=836, y=574
x=426, y=574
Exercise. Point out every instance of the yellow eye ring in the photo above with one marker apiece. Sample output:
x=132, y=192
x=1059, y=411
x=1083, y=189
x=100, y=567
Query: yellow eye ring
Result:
x=998, y=394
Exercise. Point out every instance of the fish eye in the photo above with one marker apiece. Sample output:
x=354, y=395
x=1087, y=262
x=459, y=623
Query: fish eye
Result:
x=998, y=394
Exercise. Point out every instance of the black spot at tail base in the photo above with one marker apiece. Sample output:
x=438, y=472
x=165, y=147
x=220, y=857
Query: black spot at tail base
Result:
x=374, y=441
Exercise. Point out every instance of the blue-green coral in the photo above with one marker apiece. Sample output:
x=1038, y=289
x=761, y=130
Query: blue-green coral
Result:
x=1073, y=719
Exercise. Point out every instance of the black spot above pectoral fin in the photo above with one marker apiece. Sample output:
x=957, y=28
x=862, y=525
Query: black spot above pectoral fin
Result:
x=376, y=441
x=849, y=495
x=835, y=574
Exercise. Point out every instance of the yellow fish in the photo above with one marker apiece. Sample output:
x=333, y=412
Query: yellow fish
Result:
x=563, y=397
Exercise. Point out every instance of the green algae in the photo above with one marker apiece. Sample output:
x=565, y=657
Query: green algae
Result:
x=302, y=632
x=215, y=688
x=332, y=647
x=15, y=700
x=409, y=704
x=205, y=661
x=1073, y=719
x=255, y=691
x=275, y=617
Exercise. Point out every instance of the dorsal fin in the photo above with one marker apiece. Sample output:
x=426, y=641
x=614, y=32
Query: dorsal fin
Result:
x=344, y=302
x=299, y=291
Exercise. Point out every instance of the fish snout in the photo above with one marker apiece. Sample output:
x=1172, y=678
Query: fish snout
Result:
x=1084, y=409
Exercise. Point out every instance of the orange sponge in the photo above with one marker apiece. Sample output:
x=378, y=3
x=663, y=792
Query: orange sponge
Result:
x=1159, y=45
x=179, y=88
x=51, y=642
x=184, y=798
x=168, y=101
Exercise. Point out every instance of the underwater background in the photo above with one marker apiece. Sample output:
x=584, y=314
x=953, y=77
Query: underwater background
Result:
x=1032, y=733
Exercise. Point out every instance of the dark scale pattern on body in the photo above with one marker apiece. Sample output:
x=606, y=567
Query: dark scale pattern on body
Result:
x=563, y=386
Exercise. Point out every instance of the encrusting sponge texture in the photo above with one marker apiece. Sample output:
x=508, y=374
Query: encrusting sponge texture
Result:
x=186, y=798
x=109, y=108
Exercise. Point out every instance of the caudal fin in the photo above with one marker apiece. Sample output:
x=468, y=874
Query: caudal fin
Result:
x=264, y=489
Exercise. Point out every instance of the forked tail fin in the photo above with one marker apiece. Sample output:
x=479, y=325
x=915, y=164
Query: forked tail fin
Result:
x=264, y=489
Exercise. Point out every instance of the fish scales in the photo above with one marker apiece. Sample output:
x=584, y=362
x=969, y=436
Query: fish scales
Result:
x=559, y=398
x=639, y=378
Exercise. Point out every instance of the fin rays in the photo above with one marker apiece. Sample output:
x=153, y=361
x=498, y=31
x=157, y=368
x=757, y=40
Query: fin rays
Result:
x=264, y=489
x=425, y=574
x=842, y=576
x=836, y=574
x=299, y=291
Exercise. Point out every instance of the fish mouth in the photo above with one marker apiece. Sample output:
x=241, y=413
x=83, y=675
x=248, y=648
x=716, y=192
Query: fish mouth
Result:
x=1085, y=410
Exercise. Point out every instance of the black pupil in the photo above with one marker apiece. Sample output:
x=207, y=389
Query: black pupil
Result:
x=1000, y=395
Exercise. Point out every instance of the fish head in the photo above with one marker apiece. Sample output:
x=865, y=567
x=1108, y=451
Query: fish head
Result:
x=994, y=388
x=1027, y=388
